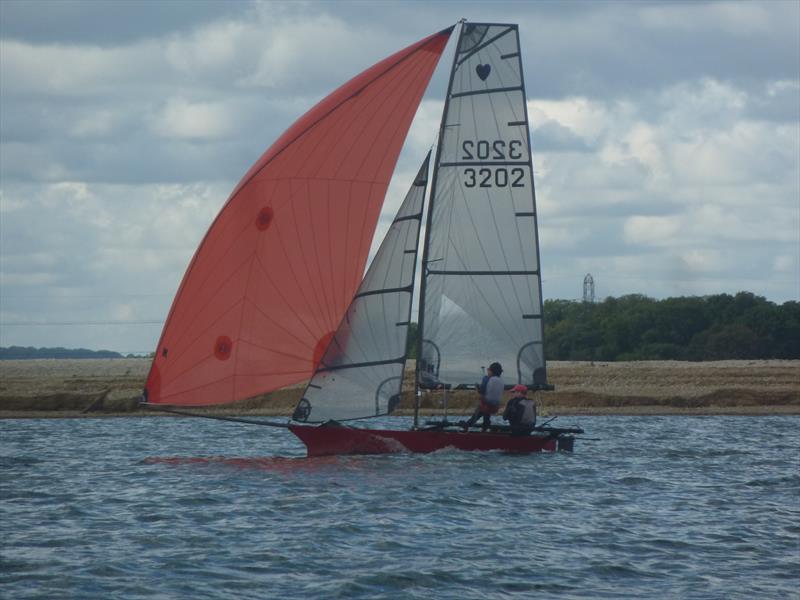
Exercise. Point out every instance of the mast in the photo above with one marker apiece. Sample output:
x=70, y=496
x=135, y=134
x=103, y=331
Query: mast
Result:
x=425, y=258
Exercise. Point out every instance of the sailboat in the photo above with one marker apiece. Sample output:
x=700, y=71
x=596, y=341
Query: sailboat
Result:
x=274, y=295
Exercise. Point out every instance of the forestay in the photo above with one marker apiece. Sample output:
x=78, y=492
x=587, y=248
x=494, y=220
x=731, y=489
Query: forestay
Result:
x=361, y=372
x=481, y=294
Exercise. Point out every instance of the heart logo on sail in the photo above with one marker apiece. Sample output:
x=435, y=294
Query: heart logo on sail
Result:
x=483, y=71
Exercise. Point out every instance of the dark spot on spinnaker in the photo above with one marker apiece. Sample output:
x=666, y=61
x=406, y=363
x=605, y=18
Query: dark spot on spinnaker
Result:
x=264, y=218
x=223, y=347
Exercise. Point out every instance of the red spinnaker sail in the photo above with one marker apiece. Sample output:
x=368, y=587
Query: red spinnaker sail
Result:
x=278, y=268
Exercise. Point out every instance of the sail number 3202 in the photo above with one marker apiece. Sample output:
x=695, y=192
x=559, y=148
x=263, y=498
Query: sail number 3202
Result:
x=487, y=177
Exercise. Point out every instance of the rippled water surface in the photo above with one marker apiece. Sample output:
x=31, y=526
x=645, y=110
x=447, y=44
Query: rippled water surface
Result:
x=649, y=507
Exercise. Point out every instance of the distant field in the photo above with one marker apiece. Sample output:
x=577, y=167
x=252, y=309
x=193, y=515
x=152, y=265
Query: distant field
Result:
x=99, y=387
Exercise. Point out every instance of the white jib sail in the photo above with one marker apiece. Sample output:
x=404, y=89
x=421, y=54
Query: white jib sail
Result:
x=361, y=371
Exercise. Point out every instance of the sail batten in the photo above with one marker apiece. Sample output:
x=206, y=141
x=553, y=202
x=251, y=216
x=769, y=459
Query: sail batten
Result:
x=272, y=278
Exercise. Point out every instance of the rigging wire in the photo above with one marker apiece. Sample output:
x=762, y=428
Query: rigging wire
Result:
x=186, y=413
x=63, y=323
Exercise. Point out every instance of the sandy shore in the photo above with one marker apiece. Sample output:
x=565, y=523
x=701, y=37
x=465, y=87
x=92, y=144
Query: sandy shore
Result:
x=111, y=387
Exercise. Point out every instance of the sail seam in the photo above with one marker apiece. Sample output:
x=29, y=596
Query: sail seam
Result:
x=452, y=272
x=300, y=249
x=417, y=217
x=479, y=163
x=284, y=249
x=373, y=363
x=285, y=303
x=241, y=323
x=260, y=311
x=305, y=184
x=407, y=288
x=516, y=88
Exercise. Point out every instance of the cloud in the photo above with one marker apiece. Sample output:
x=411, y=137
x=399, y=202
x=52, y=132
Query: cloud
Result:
x=181, y=119
x=737, y=18
x=107, y=23
x=651, y=231
x=666, y=141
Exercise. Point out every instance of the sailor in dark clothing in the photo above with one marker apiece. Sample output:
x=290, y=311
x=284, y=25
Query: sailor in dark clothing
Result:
x=520, y=411
x=490, y=392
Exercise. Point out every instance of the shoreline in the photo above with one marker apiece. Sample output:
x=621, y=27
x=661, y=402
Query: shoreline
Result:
x=101, y=388
x=638, y=411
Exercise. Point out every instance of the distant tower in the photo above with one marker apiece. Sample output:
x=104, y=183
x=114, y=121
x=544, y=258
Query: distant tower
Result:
x=588, y=288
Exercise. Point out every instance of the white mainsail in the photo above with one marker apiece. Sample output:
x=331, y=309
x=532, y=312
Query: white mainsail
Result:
x=481, y=290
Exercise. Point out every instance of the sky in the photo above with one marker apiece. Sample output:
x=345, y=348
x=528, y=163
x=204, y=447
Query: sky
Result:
x=666, y=140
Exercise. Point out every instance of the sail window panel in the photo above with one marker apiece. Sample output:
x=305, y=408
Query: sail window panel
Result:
x=354, y=393
x=475, y=228
x=472, y=321
x=478, y=131
x=499, y=51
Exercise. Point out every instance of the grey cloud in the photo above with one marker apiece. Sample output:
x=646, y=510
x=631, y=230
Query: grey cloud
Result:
x=551, y=136
x=90, y=90
x=779, y=102
x=107, y=22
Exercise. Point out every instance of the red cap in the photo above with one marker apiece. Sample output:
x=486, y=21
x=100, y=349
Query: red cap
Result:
x=520, y=388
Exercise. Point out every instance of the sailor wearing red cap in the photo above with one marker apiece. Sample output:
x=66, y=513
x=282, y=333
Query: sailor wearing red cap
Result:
x=520, y=411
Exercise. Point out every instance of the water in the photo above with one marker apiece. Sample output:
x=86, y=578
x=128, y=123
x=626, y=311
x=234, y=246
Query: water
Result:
x=652, y=507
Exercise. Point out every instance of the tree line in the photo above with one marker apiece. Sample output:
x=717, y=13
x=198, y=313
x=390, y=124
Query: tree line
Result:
x=29, y=352
x=635, y=327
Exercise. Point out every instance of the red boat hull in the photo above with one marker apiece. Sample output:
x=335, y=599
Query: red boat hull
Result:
x=327, y=440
